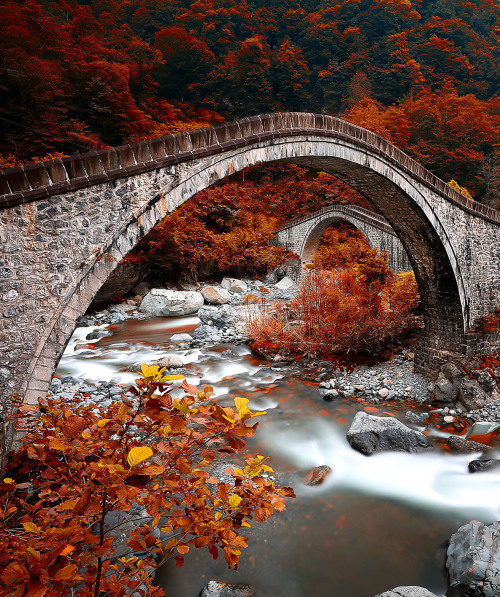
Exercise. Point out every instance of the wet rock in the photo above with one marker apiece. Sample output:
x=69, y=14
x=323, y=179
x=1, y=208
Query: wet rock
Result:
x=234, y=285
x=331, y=395
x=220, y=317
x=473, y=561
x=215, y=296
x=227, y=353
x=478, y=466
x=471, y=395
x=207, y=332
x=317, y=475
x=171, y=361
x=181, y=338
x=169, y=303
x=97, y=335
x=460, y=444
x=370, y=434
x=407, y=592
x=221, y=589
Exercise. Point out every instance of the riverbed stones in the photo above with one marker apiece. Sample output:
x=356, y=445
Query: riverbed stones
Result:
x=181, y=338
x=215, y=296
x=407, y=592
x=171, y=361
x=369, y=434
x=170, y=303
x=234, y=285
x=473, y=561
x=220, y=317
x=221, y=589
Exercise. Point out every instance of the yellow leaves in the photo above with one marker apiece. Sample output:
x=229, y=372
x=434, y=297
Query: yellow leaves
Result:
x=150, y=371
x=138, y=454
x=234, y=500
x=103, y=422
x=172, y=377
x=86, y=434
x=8, y=480
x=242, y=411
x=31, y=527
x=35, y=553
x=69, y=572
x=218, y=516
x=68, y=505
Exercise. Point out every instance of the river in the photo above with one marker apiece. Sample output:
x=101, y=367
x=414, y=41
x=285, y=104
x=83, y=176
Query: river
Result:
x=375, y=523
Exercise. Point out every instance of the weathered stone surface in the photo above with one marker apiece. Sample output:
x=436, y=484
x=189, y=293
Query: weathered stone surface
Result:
x=407, y=592
x=473, y=561
x=471, y=395
x=234, y=285
x=220, y=317
x=478, y=466
x=370, y=434
x=171, y=303
x=461, y=444
x=220, y=589
x=445, y=391
x=171, y=361
x=215, y=296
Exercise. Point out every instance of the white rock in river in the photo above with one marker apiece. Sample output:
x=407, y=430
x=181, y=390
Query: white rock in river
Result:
x=234, y=285
x=181, y=338
x=170, y=303
x=286, y=284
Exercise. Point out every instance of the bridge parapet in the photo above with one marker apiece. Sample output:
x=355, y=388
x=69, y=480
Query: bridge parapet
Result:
x=36, y=181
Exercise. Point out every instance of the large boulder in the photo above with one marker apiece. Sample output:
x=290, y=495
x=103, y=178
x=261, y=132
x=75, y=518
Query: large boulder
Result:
x=461, y=444
x=407, y=592
x=473, y=561
x=286, y=284
x=171, y=303
x=471, y=394
x=445, y=390
x=215, y=296
x=220, y=317
x=486, y=464
x=119, y=283
x=234, y=285
x=370, y=434
x=222, y=589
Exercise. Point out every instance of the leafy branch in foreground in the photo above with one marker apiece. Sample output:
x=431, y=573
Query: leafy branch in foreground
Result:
x=78, y=464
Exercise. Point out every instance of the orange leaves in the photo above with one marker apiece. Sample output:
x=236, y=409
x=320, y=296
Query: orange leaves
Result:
x=77, y=476
x=341, y=313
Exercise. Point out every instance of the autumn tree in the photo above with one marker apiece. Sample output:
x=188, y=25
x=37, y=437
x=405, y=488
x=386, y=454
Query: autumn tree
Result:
x=79, y=464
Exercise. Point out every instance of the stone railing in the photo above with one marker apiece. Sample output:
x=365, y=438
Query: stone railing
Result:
x=36, y=181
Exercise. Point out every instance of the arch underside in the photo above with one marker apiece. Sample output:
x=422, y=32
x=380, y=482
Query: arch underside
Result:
x=442, y=292
x=312, y=241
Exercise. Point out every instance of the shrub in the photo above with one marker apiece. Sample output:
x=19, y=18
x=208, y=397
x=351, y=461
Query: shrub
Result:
x=338, y=313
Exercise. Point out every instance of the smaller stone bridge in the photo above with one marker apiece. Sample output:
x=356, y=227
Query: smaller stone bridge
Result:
x=303, y=235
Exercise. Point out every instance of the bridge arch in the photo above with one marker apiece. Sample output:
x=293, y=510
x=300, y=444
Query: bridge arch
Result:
x=130, y=189
x=303, y=235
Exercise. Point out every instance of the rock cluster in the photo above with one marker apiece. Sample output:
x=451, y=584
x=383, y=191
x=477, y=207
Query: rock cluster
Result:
x=454, y=386
x=221, y=589
x=387, y=381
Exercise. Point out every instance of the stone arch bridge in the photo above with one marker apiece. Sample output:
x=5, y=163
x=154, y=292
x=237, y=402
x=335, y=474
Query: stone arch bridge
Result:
x=303, y=235
x=67, y=223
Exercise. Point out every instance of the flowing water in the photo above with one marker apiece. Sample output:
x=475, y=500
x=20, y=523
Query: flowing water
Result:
x=375, y=523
